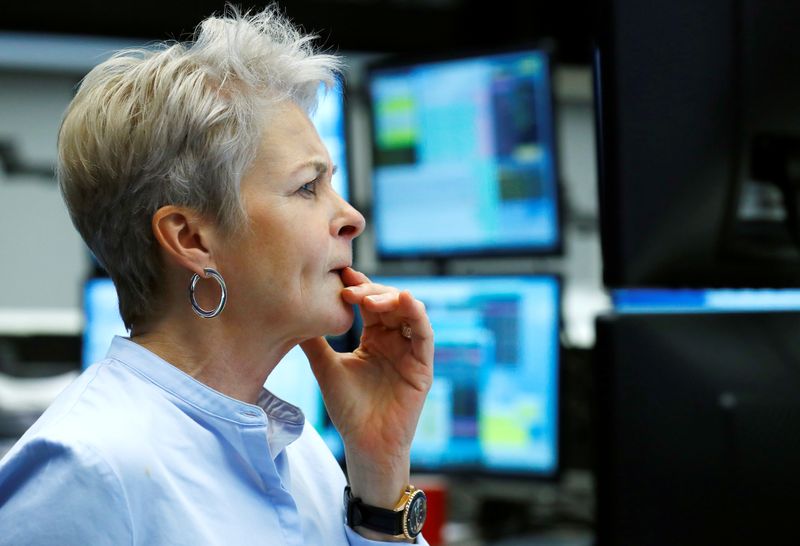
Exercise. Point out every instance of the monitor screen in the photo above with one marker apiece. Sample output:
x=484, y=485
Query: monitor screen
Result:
x=329, y=119
x=464, y=157
x=493, y=406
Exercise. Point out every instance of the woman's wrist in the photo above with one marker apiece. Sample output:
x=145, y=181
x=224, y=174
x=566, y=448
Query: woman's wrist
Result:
x=378, y=482
x=379, y=491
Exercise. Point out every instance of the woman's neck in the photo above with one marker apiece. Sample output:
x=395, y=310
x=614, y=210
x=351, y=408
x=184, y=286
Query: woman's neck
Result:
x=228, y=359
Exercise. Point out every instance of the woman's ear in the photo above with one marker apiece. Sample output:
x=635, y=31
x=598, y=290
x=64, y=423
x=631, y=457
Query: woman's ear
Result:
x=184, y=238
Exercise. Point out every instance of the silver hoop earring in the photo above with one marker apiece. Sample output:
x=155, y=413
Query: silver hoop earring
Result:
x=214, y=274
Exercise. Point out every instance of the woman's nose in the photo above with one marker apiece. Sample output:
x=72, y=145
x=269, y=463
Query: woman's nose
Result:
x=351, y=223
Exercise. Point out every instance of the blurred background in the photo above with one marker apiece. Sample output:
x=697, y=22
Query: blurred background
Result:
x=597, y=202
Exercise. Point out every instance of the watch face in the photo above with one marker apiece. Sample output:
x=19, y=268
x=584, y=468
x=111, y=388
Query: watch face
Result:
x=417, y=511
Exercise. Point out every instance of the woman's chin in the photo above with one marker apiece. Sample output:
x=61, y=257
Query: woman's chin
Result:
x=342, y=322
x=346, y=322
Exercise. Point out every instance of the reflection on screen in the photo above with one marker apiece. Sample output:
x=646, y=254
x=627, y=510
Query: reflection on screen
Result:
x=329, y=121
x=464, y=156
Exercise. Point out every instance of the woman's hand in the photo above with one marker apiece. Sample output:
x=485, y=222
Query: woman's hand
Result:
x=375, y=394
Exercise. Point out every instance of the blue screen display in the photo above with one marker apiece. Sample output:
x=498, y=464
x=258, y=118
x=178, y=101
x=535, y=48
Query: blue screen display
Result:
x=660, y=300
x=494, y=400
x=464, y=159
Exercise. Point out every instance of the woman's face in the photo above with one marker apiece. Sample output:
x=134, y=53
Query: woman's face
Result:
x=283, y=271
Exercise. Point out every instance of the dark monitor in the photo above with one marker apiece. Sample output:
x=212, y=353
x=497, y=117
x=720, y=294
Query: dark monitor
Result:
x=697, y=421
x=699, y=138
x=464, y=156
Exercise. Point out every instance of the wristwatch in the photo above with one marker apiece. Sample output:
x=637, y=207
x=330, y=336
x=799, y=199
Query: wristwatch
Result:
x=405, y=521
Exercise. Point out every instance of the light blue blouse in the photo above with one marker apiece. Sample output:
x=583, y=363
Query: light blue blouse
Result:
x=137, y=452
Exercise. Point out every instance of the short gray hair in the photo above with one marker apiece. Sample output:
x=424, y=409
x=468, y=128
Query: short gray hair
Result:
x=177, y=124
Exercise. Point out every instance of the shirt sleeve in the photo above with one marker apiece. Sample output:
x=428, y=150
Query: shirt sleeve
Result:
x=354, y=539
x=54, y=494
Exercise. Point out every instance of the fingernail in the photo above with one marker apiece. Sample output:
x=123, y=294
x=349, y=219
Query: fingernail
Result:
x=378, y=298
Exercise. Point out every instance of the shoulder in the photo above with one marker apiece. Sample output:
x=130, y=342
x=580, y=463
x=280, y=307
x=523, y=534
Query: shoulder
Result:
x=74, y=463
x=57, y=460
x=108, y=411
x=74, y=485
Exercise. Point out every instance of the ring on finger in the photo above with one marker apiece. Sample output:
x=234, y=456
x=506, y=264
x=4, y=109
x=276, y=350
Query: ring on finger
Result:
x=405, y=331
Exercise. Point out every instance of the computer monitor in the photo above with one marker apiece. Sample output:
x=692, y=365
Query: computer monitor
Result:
x=464, y=158
x=329, y=120
x=697, y=422
x=698, y=132
x=494, y=404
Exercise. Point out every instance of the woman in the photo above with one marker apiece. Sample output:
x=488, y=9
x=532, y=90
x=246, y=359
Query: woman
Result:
x=196, y=169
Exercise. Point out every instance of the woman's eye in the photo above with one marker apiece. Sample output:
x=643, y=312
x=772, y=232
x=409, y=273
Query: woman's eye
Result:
x=309, y=188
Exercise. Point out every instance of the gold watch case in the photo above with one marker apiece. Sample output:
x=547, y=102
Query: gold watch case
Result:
x=414, y=506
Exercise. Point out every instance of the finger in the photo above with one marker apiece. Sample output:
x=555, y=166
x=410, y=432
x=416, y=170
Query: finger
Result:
x=352, y=277
x=382, y=306
x=365, y=297
x=355, y=294
x=318, y=351
x=413, y=313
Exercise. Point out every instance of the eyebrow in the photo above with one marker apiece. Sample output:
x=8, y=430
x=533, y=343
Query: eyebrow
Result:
x=320, y=166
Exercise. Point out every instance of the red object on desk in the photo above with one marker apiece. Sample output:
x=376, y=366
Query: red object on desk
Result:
x=436, y=491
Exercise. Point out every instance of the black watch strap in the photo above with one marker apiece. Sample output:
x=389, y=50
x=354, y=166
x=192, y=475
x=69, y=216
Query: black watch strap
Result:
x=372, y=517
